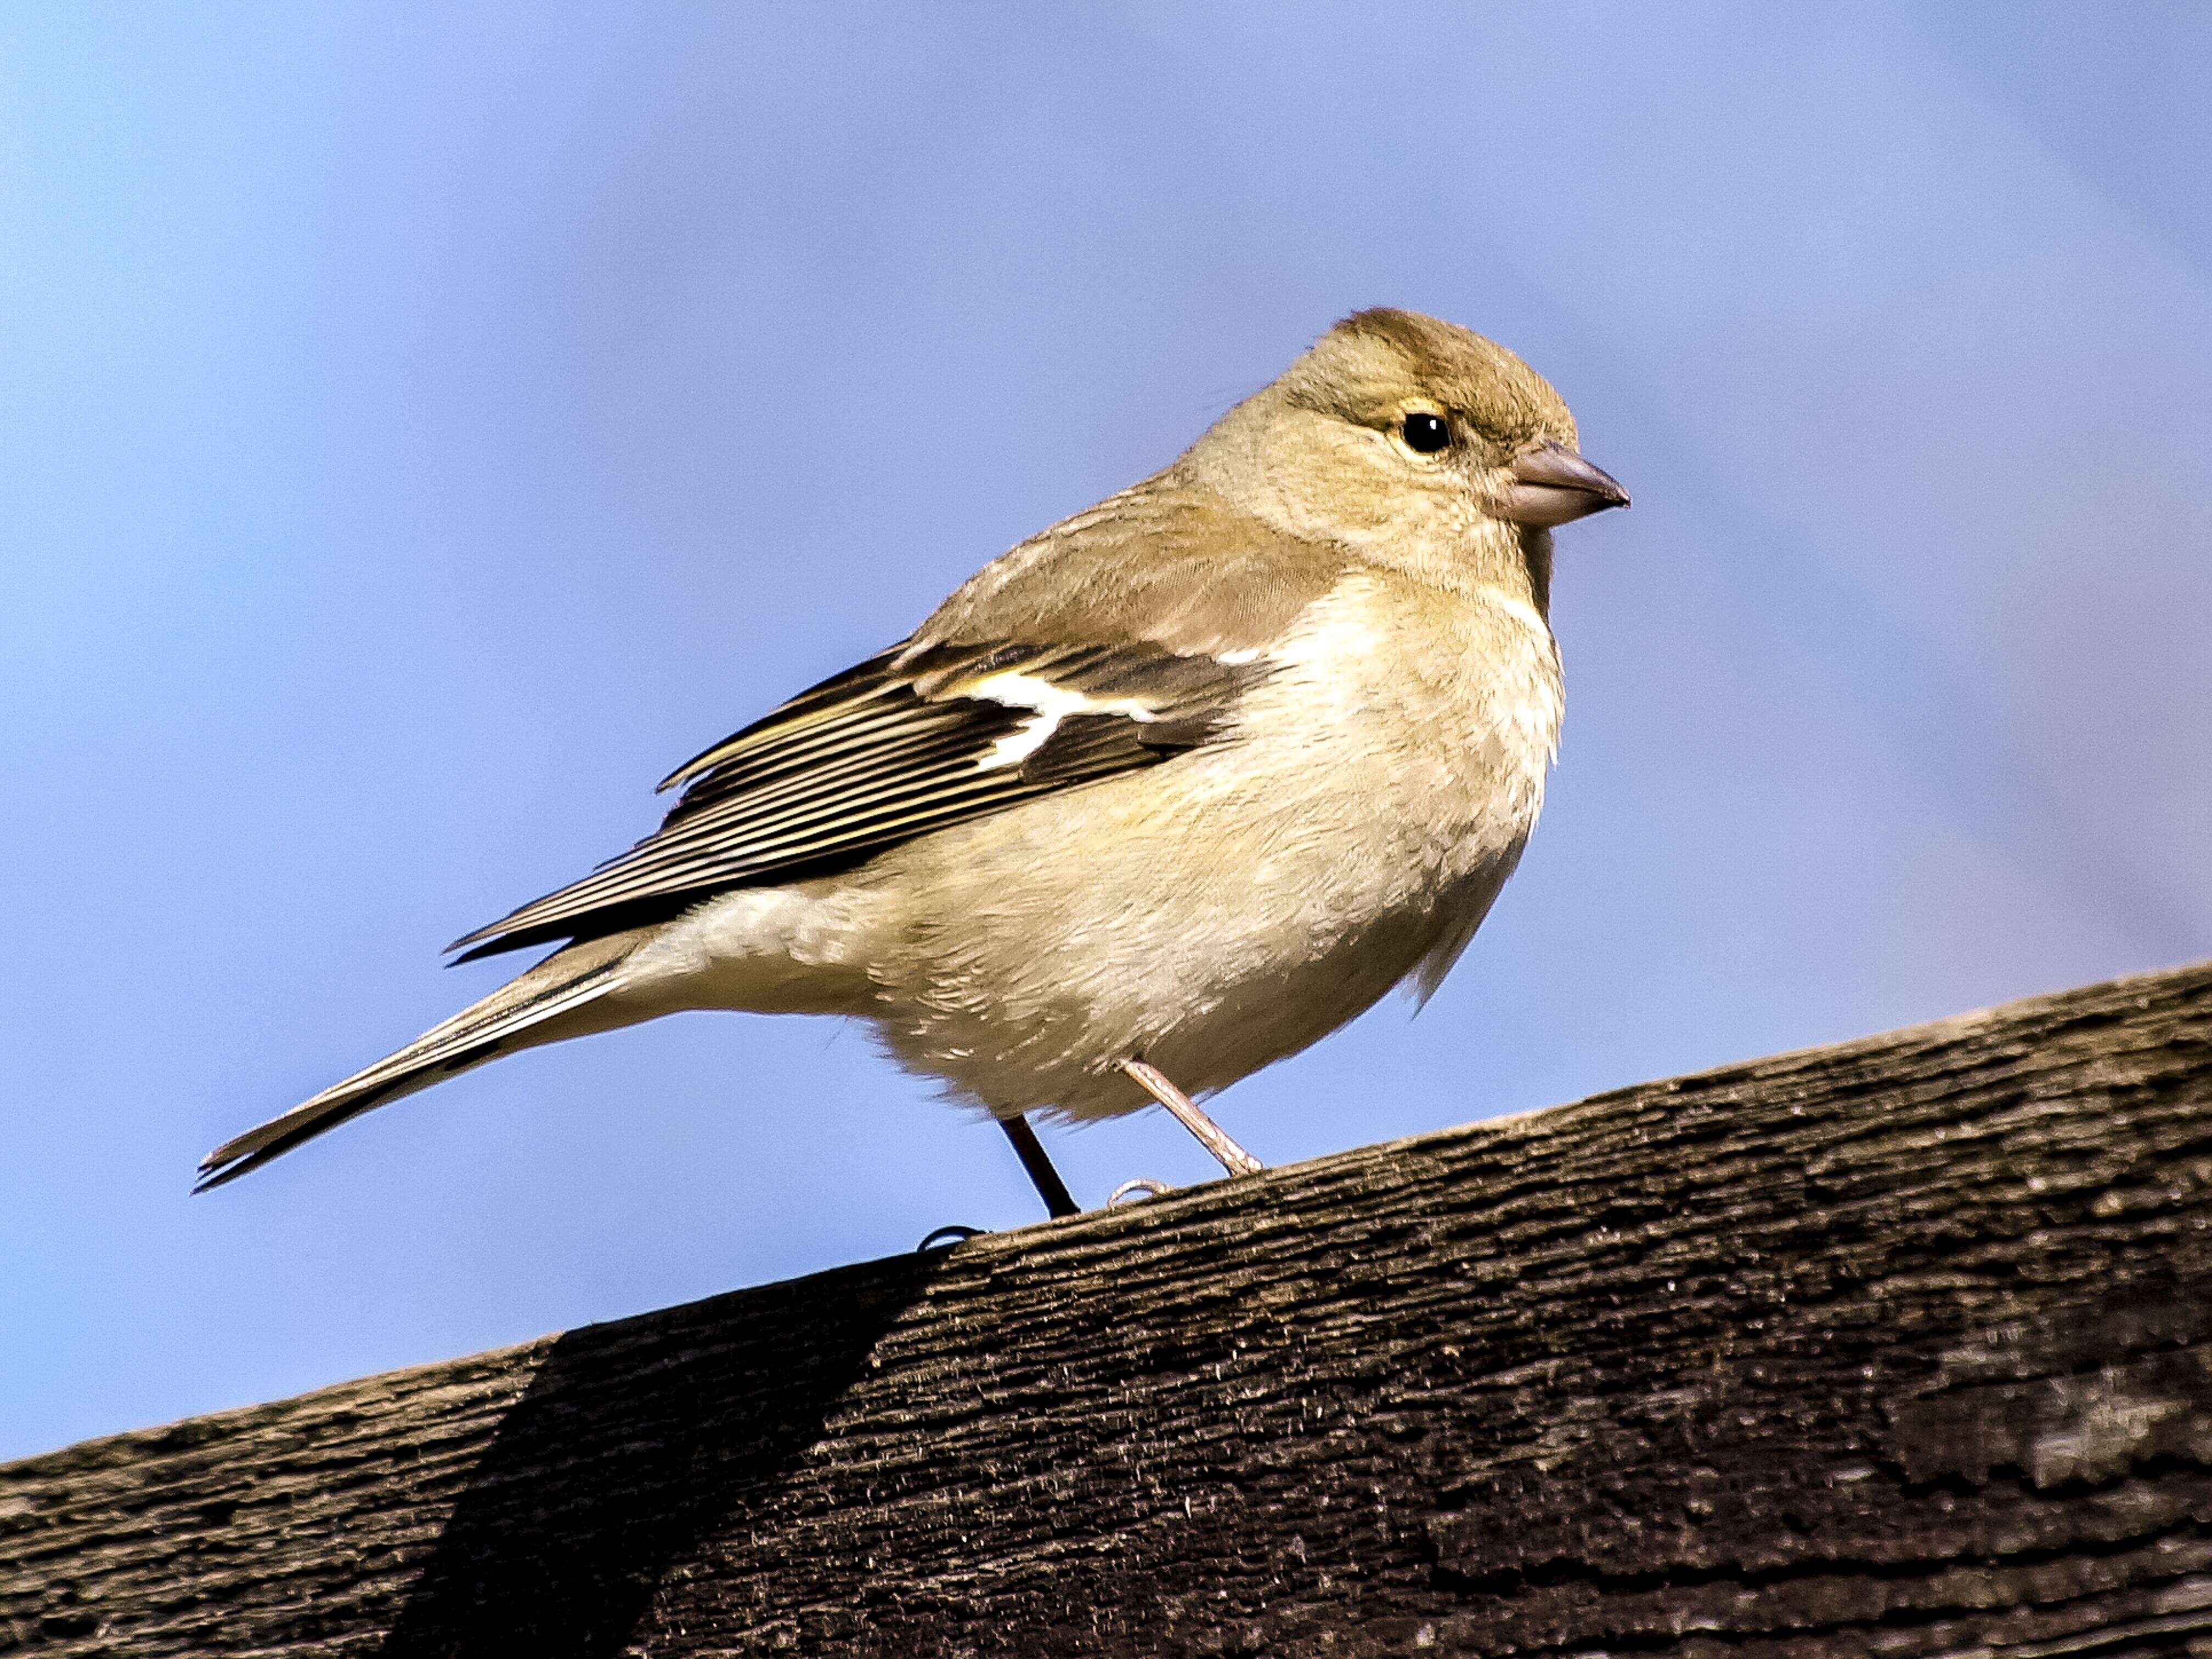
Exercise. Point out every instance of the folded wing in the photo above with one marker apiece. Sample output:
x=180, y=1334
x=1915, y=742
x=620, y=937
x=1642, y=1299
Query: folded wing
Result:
x=911, y=741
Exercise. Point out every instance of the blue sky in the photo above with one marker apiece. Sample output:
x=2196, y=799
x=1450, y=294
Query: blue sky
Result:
x=425, y=426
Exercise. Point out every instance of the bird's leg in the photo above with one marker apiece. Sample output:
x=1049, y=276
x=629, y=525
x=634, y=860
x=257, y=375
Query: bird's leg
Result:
x=1027, y=1147
x=1210, y=1135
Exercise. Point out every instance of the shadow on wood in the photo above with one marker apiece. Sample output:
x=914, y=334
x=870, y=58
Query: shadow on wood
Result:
x=1899, y=1348
x=628, y=1450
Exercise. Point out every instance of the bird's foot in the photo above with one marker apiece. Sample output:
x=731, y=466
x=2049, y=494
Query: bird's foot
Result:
x=1143, y=1187
x=944, y=1238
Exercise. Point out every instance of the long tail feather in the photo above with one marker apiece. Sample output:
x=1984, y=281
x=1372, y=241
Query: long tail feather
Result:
x=561, y=985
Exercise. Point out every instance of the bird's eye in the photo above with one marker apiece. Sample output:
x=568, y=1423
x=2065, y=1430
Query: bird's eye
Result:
x=1426, y=434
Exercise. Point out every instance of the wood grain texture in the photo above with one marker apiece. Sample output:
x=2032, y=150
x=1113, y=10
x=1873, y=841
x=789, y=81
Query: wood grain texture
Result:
x=1899, y=1348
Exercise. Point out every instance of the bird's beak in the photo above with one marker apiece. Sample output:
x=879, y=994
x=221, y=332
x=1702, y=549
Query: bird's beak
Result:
x=1553, y=485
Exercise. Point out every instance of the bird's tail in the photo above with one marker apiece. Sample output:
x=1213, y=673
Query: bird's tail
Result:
x=545, y=1004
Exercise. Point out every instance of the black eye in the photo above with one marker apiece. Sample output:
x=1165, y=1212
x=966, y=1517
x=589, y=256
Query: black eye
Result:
x=1427, y=434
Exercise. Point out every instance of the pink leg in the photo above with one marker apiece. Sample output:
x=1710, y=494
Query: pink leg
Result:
x=1234, y=1158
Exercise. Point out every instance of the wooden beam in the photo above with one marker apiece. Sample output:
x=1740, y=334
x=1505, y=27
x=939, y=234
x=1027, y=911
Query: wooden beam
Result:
x=1899, y=1348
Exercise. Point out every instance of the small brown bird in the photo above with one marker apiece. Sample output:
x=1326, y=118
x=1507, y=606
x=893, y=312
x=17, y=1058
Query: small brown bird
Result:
x=1164, y=794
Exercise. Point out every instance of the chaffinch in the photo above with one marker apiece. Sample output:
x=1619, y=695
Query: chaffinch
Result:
x=1165, y=793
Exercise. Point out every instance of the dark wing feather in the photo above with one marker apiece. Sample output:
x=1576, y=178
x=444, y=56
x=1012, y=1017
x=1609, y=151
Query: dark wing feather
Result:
x=909, y=742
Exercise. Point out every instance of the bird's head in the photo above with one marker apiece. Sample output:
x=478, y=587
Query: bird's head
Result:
x=1397, y=429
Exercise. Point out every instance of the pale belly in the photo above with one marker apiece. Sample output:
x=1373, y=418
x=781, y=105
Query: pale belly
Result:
x=1217, y=912
x=1210, y=915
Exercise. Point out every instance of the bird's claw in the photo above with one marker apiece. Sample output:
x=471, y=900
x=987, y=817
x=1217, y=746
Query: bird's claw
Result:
x=944, y=1238
x=1143, y=1186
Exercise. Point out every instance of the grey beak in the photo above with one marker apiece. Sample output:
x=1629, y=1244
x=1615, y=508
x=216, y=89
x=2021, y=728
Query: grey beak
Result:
x=1552, y=485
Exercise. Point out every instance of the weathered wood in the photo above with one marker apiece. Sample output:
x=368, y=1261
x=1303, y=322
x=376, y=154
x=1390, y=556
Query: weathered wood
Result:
x=1899, y=1348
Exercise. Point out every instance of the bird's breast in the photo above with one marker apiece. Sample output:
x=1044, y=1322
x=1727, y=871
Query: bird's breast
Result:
x=1430, y=718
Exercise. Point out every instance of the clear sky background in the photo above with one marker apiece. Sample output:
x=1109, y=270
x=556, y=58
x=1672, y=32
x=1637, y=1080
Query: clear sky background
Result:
x=423, y=426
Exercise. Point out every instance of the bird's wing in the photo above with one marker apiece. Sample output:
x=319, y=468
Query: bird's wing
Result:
x=1117, y=639
x=915, y=739
x=1167, y=562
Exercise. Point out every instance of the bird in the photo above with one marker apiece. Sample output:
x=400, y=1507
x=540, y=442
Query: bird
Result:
x=1165, y=793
